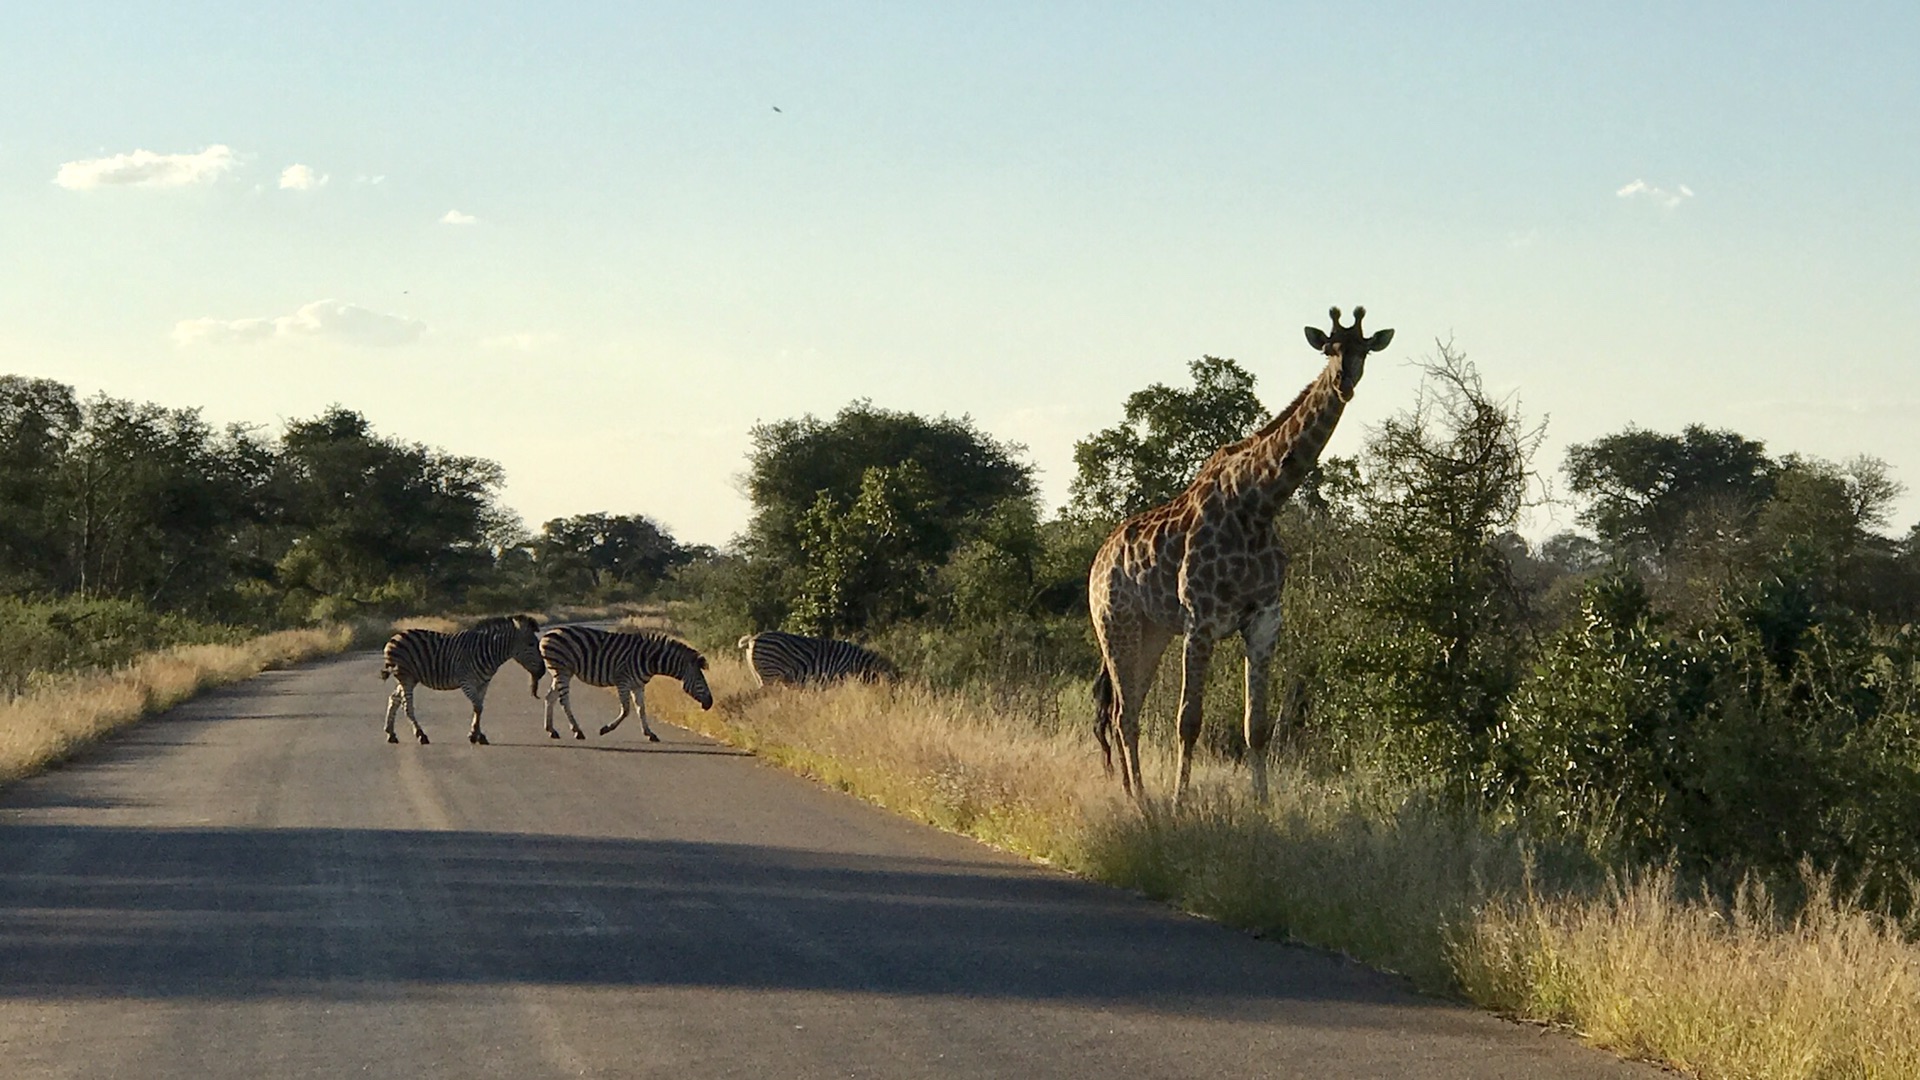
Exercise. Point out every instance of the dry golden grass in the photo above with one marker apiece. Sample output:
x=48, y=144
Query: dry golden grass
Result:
x=1360, y=866
x=63, y=714
x=1724, y=993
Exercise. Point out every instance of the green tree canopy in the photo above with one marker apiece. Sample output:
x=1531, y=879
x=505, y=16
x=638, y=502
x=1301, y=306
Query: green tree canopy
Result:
x=1643, y=488
x=374, y=513
x=597, y=551
x=1167, y=433
x=794, y=463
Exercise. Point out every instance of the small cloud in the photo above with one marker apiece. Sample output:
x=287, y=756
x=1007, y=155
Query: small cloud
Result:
x=455, y=217
x=1521, y=240
x=520, y=342
x=363, y=178
x=144, y=168
x=1661, y=196
x=322, y=320
x=301, y=178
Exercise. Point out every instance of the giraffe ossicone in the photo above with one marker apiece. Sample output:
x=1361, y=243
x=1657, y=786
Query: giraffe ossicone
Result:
x=1208, y=564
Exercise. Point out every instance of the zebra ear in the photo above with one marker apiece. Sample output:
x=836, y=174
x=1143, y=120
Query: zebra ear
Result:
x=703, y=663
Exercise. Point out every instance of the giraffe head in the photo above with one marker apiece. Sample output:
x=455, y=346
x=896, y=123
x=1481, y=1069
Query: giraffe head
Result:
x=1351, y=344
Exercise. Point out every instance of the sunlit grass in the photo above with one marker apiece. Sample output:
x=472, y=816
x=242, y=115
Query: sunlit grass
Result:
x=64, y=713
x=1370, y=868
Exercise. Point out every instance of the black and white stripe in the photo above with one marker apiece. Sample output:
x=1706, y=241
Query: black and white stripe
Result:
x=624, y=660
x=790, y=658
x=464, y=661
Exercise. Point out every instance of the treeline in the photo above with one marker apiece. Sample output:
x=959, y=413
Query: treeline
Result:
x=108, y=499
x=1718, y=669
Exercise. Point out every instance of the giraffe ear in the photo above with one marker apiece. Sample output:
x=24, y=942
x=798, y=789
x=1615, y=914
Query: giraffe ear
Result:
x=1317, y=337
x=1379, y=340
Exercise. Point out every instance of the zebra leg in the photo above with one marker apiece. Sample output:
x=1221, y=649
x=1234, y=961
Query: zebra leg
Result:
x=418, y=732
x=477, y=695
x=556, y=689
x=393, y=708
x=640, y=699
x=566, y=702
x=626, y=706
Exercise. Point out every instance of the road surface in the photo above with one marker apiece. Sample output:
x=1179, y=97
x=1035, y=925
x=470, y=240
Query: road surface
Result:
x=257, y=885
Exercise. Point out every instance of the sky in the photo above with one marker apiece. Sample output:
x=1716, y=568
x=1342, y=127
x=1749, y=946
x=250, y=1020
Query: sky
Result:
x=597, y=243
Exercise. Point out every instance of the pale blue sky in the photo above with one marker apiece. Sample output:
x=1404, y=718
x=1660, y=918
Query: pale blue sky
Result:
x=1020, y=212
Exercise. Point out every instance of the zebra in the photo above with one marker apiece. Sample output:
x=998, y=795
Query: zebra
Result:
x=796, y=660
x=465, y=661
x=624, y=660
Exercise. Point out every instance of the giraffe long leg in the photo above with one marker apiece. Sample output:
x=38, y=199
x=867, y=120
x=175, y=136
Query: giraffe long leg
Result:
x=1198, y=654
x=478, y=695
x=1134, y=673
x=1262, y=635
x=393, y=709
x=626, y=706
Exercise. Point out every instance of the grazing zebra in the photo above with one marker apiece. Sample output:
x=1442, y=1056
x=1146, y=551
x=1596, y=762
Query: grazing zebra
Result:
x=465, y=661
x=797, y=660
x=624, y=660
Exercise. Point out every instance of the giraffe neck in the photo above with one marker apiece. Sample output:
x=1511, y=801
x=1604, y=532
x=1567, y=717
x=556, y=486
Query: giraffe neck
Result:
x=1266, y=467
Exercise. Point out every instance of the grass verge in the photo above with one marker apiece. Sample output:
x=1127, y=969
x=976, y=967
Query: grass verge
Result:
x=1458, y=906
x=62, y=714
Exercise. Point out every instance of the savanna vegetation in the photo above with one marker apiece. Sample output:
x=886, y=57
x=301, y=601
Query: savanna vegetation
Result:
x=145, y=555
x=1657, y=778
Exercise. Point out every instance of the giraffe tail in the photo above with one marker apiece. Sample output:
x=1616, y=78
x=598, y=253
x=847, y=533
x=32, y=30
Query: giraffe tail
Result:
x=1104, y=722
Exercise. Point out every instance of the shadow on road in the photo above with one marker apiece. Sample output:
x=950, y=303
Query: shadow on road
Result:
x=98, y=912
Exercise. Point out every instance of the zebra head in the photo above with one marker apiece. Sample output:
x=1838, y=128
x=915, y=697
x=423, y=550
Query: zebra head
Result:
x=693, y=679
x=526, y=648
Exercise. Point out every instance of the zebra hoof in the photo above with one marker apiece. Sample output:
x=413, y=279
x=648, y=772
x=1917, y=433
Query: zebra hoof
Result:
x=579, y=734
x=477, y=739
x=651, y=737
x=391, y=737
x=552, y=734
x=606, y=729
x=423, y=738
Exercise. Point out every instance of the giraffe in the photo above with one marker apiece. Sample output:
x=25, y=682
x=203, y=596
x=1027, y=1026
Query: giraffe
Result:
x=1208, y=564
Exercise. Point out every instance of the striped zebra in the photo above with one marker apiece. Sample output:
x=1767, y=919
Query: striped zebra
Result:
x=464, y=661
x=790, y=658
x=624, y=660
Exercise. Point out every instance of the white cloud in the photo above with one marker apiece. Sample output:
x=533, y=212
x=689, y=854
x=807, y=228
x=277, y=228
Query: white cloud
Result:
x=301, y=178
x=323, y=320
x=363, y=178
x=1643, y=190
x=455, y=217
x=520, y=342
x=144, y=168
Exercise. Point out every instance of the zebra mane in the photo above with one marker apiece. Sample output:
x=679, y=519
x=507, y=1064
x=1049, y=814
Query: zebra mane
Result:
x=679, y=652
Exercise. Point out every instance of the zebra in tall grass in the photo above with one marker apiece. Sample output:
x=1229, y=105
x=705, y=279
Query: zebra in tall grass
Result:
x=464, y=661
x=624, y=660
x=797, y=660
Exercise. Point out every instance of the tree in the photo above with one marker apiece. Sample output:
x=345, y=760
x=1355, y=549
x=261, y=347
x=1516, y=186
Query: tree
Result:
x=851, y=517
x=864, y=562
x=1644, y=488
x=382, y=522
x=601, y=551
x=1167, y=433
x=152, y=502
x=1444, y=485
x=39, y=419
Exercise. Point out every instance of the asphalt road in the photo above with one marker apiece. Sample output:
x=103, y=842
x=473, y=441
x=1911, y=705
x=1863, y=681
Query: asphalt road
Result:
x=258, y=885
